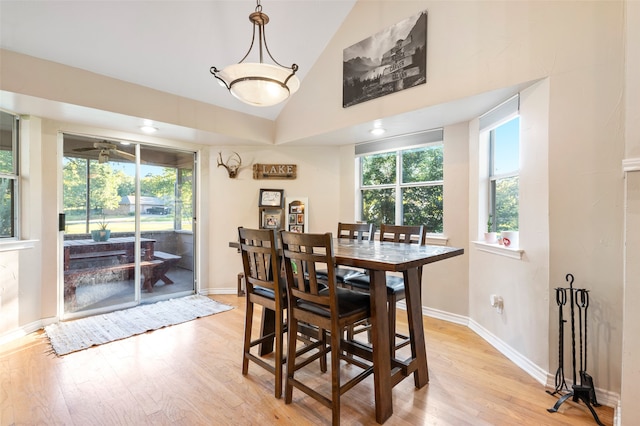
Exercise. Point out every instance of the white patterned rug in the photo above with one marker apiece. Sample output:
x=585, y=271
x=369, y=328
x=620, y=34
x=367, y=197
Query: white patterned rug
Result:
x=71, y=336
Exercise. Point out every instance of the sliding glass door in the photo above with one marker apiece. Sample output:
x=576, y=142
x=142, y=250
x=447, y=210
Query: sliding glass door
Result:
x=129, y=233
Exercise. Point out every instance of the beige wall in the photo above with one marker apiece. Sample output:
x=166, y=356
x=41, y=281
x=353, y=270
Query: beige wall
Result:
x=234, y=202
x=630, y=413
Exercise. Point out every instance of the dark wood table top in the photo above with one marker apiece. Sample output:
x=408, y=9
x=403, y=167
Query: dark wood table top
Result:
x=388, y=256
x=385, y=256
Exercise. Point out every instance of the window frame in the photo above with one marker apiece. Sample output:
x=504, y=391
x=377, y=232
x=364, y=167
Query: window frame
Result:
x=398, y=148
x=14, y=177
x=488, y=122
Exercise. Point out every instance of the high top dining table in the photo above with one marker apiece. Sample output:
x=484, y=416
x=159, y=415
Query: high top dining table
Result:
x=379, y=258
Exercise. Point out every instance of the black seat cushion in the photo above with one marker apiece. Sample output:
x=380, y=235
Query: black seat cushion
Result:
x=342, y=274
x=267, y=293
x=349, y=302
x=395, y=284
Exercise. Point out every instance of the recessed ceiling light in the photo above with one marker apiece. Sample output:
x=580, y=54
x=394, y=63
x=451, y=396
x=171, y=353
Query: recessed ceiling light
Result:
x=377, y=131
x=148, y=129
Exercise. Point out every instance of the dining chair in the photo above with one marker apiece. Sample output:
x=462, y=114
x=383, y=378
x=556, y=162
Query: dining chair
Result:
x=395, y=284
x=322, y=303
x=352, y=231
x=265, y=287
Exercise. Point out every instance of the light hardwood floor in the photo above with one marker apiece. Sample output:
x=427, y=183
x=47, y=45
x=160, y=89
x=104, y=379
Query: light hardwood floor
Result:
x=190, y=374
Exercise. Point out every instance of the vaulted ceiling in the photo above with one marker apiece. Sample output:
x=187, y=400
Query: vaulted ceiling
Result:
x=170, y=46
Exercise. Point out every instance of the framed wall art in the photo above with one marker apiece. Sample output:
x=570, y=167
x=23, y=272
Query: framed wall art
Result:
x=271, y=218
x=271, y=198
x=391, y=60
x=297, y=214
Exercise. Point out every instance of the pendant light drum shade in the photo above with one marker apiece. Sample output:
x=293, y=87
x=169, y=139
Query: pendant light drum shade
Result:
x=258, y=83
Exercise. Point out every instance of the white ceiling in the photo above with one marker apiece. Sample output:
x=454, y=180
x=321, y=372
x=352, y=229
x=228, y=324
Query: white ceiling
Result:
x=171, y=45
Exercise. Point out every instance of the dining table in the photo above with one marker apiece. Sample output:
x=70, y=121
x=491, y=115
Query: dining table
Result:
x=83, y=249
x=378, y=258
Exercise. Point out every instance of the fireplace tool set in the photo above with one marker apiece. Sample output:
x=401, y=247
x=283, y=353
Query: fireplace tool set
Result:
x=584, y=391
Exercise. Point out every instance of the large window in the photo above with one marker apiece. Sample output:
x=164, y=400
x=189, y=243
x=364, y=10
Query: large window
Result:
x=403, y=186
x=8, y=175
x=503, y=177
x=499, y=148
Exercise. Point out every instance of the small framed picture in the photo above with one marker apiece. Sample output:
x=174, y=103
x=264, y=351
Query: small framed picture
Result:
x=271, y=198
x=300, y=219
x=292, y=218
x=296, y=228
x=271, y=220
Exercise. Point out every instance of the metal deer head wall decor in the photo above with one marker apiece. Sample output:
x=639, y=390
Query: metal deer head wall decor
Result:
x=232, y=164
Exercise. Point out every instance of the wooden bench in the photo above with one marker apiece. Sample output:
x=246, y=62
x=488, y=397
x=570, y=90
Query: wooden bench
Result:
x=159, y=272
x=72, y=276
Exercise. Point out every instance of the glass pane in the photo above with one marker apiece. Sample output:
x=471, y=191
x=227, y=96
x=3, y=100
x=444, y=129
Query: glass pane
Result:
x=74, y=175
x=422, y=164
x=7, y=132
x=506, y=147
x=7, y=201
x=379, y=169
x=506, y=196
x=166, y=216
x=422, y=205
x=379, y=206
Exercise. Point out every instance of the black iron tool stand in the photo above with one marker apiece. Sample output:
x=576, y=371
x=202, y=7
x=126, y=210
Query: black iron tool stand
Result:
x=585, y=391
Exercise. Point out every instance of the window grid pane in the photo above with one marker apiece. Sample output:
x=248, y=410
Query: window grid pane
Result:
x=379, y=206
x=9, y=139
x=422, y=205
x=379, y=169
x=7, y=207
x=422, y=164
x=506, y=204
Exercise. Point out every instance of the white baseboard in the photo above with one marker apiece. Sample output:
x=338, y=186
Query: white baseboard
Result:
x=539, y=374
x=208, y=291
x=24, y=330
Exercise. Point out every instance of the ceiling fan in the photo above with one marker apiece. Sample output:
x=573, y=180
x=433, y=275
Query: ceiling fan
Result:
x=107, y=149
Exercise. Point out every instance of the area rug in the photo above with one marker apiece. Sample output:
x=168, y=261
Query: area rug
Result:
x=71, y=336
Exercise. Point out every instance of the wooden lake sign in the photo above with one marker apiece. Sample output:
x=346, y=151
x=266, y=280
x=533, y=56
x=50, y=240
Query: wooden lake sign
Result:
x=274, y=171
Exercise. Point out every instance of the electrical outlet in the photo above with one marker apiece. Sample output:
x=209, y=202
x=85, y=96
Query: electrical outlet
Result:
x=497, y=302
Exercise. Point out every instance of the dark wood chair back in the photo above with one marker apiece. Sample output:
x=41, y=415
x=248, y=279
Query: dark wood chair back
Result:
x=403, y=234
x=304, y=255
x=264, y=286
x=356, y=231
x=260, y=259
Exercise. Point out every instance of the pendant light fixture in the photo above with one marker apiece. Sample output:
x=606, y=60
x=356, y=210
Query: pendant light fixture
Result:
x=254, y=83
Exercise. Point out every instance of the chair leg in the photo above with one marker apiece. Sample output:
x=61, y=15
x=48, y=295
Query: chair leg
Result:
x=291, y=359
x=335, y=377
x=248, y=324
x=323, y=359
x=278, y=354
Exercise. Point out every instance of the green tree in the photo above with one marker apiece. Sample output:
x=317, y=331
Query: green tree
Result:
x=507, y=204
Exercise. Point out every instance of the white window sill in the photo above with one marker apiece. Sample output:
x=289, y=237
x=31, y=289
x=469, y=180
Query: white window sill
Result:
x=514, y=253
x=437, y=240
x=17, y=245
